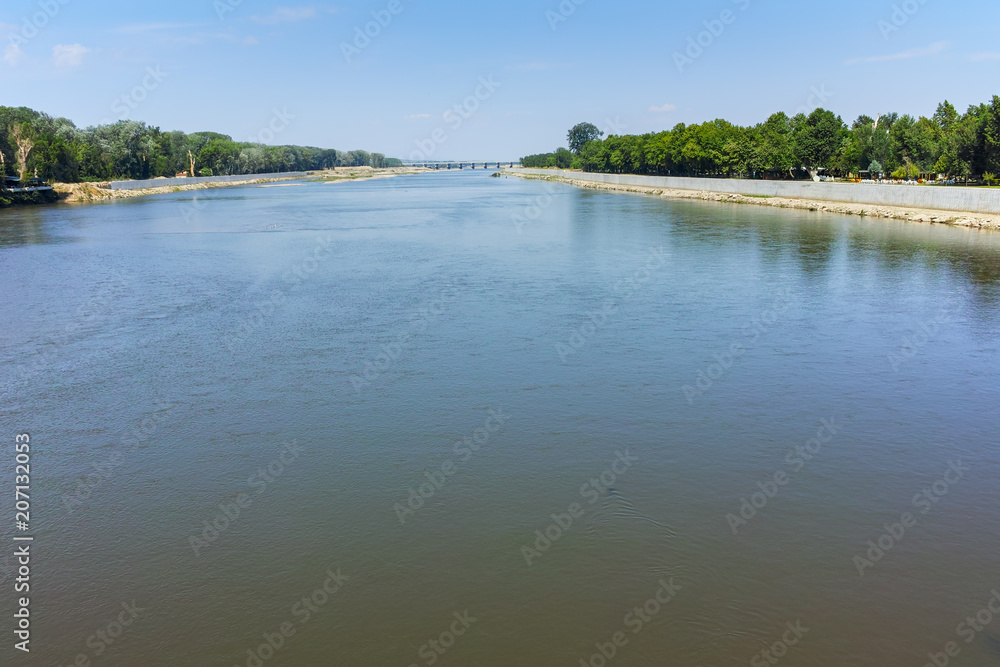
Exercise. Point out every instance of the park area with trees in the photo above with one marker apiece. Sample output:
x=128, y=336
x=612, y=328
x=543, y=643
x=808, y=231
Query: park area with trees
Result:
x=56, y=150
x=948, y=144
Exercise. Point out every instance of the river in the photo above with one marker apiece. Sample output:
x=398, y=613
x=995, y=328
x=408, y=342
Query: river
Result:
x=458, y=420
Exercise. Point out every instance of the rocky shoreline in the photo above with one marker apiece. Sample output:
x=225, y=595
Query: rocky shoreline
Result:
x=957, y=218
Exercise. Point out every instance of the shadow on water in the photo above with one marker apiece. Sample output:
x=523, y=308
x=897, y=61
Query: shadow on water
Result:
x=25, y=226
x=971, y=255
x=817, y=241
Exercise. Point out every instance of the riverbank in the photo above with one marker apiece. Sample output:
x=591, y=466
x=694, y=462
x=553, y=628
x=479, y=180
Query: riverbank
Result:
x=81, y=193
x=354, y=174
x=911, y=214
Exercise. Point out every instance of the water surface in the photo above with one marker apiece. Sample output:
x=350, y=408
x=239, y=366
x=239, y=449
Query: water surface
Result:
x=165, y=352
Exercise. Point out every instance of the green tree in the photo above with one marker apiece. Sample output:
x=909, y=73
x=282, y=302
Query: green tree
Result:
x=775, y=148
x=914, y=145
x=818, y=138
x=991, y=136
x=945, y=116
x=594, y=156
x=582, y=134
x=220, y=156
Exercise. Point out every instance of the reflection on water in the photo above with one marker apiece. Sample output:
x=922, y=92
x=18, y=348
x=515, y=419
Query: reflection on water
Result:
x=170, y=354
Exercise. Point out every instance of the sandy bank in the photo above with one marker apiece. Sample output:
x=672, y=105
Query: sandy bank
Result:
x=959, y=218
x=355, y=174
x=78, y=193
x=75, y=193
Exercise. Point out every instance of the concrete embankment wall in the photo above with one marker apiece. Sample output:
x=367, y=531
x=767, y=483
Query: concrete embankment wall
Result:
x=166, y=182
x=940, y=197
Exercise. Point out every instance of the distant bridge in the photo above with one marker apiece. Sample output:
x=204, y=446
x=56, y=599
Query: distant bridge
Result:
x=465, y=164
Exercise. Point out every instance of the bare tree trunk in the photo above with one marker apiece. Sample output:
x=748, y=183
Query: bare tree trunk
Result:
x=191, y=159
x=24, y=146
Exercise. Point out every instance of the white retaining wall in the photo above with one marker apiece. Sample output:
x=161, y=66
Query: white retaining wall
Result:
x=943, y=197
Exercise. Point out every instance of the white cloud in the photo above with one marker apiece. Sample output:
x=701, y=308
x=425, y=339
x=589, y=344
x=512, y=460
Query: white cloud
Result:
x=69, y=55
x=983, y=57
x=664, y=108
x=13, y=54
x=286, y=15
x=933, y=49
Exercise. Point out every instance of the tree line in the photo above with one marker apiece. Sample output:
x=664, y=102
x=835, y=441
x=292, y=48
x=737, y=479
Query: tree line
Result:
x=950, y=144
x=55, y=149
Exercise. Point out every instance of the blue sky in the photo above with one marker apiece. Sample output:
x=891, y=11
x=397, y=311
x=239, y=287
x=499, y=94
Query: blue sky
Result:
x=230, y=65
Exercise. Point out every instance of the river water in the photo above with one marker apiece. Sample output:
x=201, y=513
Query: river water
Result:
x=501, y=423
